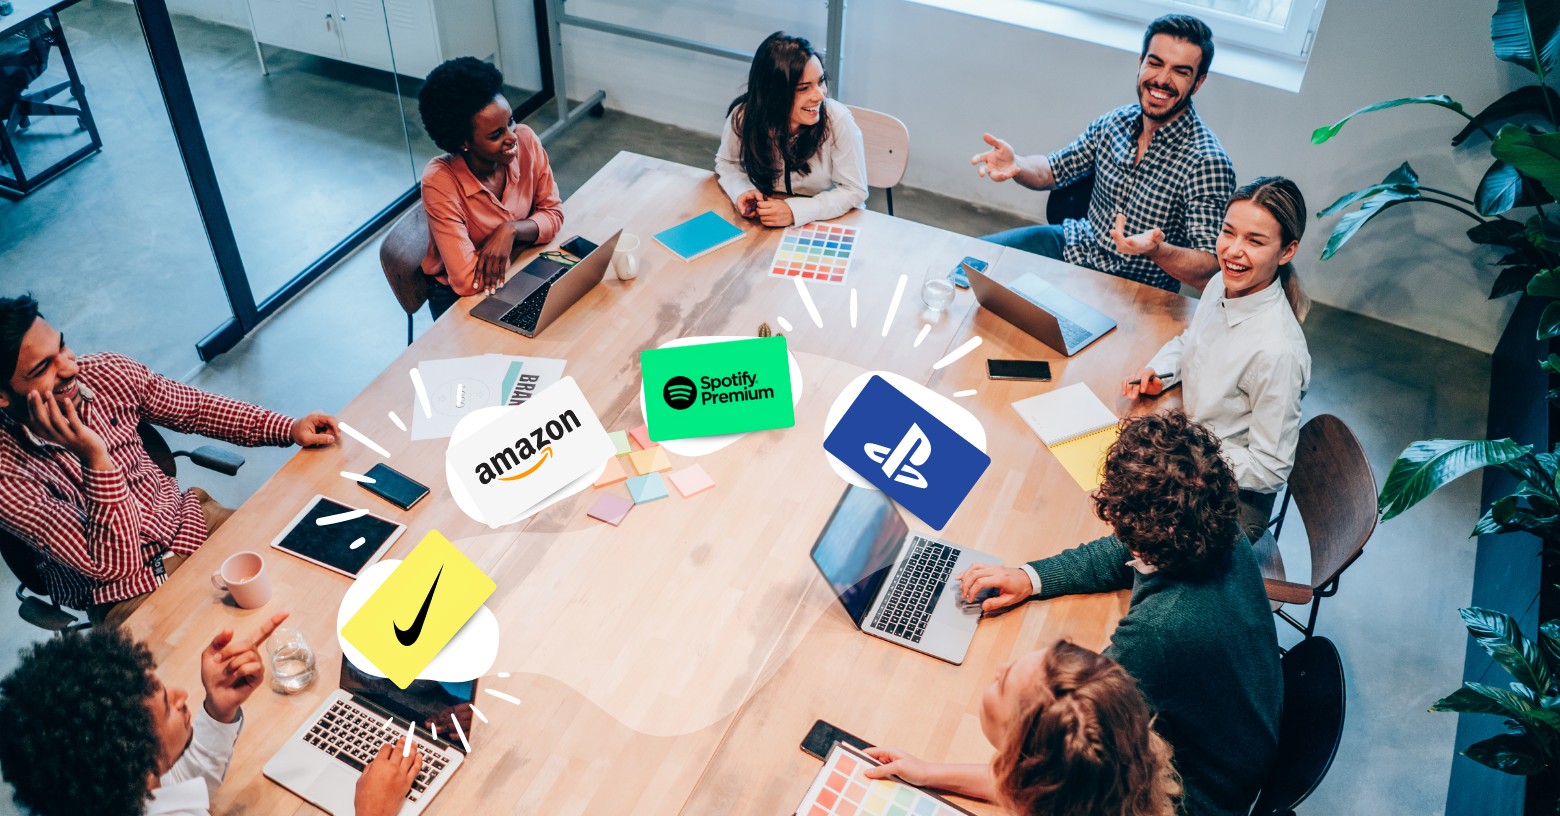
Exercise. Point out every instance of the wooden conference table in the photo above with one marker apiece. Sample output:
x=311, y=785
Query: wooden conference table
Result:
x=674, y=663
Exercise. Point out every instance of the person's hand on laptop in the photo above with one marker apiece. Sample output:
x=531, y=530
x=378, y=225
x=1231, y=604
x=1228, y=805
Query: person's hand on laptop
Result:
x=1012, y=585
x=1144, y=382
x=493, y=258
x=382, y=788
x=230, y=670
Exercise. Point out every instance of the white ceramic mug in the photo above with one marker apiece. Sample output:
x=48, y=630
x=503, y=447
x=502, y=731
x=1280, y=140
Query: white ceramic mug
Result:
x=243, y=574
x=623, y=260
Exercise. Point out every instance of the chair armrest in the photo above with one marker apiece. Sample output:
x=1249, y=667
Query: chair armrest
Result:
x=1286, y=592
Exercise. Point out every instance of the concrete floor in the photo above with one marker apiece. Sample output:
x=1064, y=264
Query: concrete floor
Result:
x=1394, y=620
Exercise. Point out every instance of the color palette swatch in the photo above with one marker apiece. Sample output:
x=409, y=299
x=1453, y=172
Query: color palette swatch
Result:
x=843, y=789
x=819, y=252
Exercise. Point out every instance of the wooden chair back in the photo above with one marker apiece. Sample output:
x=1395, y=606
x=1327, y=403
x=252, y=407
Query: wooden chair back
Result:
x=401, y=255
x=887, y=142
x=1333, y=488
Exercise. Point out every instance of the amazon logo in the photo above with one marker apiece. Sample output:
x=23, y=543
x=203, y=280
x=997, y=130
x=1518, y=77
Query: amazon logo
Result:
x=537, y=442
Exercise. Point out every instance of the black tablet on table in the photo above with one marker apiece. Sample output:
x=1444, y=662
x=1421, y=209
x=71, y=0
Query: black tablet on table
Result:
x=332, y=545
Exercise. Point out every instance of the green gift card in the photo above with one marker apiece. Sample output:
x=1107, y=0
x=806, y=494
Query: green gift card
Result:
x=717, y=388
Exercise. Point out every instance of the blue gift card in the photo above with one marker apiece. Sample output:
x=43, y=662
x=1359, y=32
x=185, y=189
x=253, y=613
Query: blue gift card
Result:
x=907, y=453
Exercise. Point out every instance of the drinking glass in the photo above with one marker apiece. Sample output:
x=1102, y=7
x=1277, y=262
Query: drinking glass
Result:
x=937, y=287
x=292, y=661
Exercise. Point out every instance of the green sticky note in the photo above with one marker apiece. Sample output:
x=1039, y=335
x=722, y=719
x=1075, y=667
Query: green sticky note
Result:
x=619, y=441
x=717, y=388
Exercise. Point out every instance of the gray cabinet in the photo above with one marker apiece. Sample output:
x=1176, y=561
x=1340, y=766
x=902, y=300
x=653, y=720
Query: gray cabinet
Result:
x=408, y=37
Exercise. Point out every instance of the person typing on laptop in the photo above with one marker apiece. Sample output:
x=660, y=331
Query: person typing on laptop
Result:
x=1160, y=175
x=491, y=195
x=1243, y=362
x=1199, y=635
x=91, y=728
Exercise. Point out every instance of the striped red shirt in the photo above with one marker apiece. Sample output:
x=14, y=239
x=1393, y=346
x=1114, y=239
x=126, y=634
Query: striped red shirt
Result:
x=100, y=532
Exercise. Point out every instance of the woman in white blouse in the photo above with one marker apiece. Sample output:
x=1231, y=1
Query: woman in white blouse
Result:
x=786, y=136
x=1243, y=362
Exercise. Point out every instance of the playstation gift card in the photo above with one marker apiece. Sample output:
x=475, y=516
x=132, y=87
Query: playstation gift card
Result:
x=907, y=453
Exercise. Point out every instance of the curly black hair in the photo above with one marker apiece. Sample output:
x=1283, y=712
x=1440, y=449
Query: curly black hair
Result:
x=452, y=94
x=78, y=737
x=1169, y=494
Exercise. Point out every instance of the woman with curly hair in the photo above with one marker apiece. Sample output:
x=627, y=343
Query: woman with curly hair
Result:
x=1198, y=636
x=1074, y=738
x=784, y=135
x=491, y=195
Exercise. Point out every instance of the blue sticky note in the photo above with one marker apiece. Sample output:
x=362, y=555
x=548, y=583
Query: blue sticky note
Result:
x=907, y=453
x=646, y=488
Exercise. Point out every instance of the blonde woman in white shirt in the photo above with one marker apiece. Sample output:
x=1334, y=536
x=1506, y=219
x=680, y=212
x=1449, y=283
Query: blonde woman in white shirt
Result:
x=1243, y=363
x=786, y=136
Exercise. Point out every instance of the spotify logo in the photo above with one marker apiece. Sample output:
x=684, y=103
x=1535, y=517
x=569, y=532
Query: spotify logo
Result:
x=680, y=392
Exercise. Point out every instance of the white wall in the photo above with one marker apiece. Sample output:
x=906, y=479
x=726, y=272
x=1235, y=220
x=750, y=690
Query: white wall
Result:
x=951, y=76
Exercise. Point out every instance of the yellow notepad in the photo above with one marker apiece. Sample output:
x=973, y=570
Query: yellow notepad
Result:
x=1076, y=427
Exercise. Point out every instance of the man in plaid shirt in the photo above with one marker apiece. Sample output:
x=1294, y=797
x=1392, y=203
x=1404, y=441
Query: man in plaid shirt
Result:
x=76, y=482
x=1161, y=178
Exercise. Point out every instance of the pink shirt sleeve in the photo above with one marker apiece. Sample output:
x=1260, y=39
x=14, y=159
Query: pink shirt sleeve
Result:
x=442, y=199
x=546, y=206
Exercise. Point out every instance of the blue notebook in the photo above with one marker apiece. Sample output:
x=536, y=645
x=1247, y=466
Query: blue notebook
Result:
x=699, y=236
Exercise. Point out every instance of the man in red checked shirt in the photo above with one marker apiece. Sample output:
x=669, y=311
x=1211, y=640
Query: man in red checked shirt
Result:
x=76, y=481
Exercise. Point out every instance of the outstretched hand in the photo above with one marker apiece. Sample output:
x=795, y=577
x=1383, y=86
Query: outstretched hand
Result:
x=998, y=163
x=1143, y=243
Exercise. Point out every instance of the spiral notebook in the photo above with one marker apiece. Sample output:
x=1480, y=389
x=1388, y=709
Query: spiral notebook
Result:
x=1075, y=426
x=697, y=237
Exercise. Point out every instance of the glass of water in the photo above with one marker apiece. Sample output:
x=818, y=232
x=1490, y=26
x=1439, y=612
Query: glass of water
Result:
x=292, y=661
x=937, y=287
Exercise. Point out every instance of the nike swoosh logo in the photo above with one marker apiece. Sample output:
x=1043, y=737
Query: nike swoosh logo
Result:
x=546, y=452
x=409, y=636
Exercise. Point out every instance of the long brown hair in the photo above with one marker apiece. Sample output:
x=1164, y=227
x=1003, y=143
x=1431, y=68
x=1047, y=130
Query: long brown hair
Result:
x=763, y=114
x=1085, y=745
x=1281, y=198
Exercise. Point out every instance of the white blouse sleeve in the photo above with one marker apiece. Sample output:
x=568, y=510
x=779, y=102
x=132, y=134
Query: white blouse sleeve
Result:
x=728, y=162
x=844, y=154
x=1167, y=363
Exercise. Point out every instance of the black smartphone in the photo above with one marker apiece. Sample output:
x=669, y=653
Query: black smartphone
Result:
x=962, y=280
x=578, y=247
x=394, y=487
x=820, y=740
x=1018, y=370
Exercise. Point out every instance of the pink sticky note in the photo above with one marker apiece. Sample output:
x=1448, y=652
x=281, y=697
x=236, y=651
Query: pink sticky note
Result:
x=611, y=508
x=613, y=474
x=691, y=480
x=641, y=435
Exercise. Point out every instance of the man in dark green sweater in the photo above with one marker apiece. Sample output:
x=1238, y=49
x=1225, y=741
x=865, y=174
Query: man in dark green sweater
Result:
x=1199, y=635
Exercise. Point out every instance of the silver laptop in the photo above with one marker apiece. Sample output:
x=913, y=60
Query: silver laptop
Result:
x=895, y=584
x=323, y=759
x=535, y=297
x=1045, y=312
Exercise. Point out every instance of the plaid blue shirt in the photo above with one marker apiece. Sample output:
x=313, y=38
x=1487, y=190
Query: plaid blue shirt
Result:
x=1181, y=186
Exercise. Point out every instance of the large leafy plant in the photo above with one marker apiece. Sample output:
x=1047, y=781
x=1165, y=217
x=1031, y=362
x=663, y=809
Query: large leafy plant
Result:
x=1531, y=706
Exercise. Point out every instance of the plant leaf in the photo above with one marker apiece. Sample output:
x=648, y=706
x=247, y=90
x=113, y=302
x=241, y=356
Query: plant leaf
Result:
x=1522, y=101
x=1322, y=134
x=1351, y=223
x=1499, y=189
x=1470, y=701
x=1549, y=321
x=1508, y=753
x=1549, y=641
x=1500, y=232
x=1427, y=465
x=1498, y=633
x=1536, y=155
x=1510, y=27
x=1403, y=179
x=1512, y=279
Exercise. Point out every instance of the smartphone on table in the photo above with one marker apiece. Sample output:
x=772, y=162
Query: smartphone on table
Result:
x=1018, y=370
x=962, y=280
x=578, y=247
x=394, y=487
x=820, y=740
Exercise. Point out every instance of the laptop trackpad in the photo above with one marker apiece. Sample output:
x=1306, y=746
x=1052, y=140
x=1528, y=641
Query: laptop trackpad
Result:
x=335, y=789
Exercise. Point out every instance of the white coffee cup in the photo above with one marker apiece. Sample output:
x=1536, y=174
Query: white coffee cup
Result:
x=623, y=260
x=243, y=575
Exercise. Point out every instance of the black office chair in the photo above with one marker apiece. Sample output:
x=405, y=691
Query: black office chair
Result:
x=1311, y=728
x=1071, y=201
x=24, y=57
x=44, y=612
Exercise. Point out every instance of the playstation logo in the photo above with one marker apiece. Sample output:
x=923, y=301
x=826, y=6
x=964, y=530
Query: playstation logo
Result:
x=914, y=446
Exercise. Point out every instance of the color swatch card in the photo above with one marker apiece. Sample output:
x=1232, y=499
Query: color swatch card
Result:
x=819, y=252
x=843, y=789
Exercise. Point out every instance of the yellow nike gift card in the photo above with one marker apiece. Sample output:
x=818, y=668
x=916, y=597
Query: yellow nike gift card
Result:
x=424, y=602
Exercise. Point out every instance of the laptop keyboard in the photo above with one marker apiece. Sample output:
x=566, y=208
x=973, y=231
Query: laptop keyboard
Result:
x=525, y=313
x=915, y=590
x=353, y=735
x=1072, y=333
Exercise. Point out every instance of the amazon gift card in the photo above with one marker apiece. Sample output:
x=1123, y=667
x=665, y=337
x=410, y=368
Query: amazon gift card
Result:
x=424, y=602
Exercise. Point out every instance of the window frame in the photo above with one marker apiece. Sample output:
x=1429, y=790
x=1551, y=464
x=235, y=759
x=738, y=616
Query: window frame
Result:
x=1293, y=39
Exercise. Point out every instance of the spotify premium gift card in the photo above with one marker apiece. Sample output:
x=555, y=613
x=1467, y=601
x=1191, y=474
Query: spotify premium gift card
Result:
x=424, y=602
x=717, y=388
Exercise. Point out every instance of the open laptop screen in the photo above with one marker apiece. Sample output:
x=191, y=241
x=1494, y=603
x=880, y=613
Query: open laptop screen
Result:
x=424, y=700
x=857, y=547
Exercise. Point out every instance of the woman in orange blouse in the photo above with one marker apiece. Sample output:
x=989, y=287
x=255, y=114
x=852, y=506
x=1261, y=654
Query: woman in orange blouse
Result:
x=492, y=195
